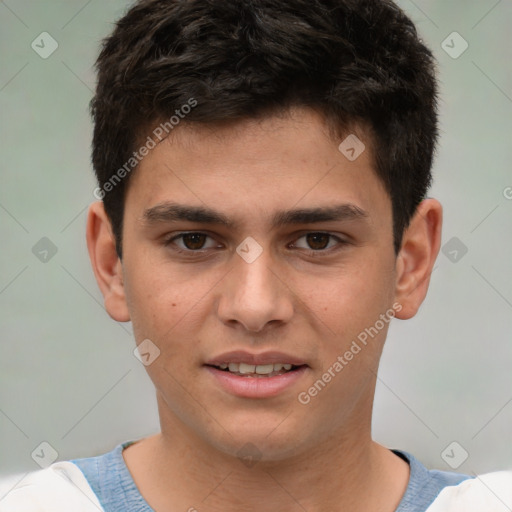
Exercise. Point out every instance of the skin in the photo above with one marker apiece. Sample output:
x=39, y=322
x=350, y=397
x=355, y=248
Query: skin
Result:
x=313, y=457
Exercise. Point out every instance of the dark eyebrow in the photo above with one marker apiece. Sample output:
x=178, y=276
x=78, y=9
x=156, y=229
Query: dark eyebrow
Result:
x=342, y=212
x=170, y=212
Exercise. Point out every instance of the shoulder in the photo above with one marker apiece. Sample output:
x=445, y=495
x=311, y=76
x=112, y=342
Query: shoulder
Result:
x=491, y=492
x=60, y=487
x=111, y=481
x=445, y=491
x=424, y=485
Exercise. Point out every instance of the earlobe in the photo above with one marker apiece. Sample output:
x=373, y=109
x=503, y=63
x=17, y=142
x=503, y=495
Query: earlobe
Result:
x=105, y=262
x=420, y=247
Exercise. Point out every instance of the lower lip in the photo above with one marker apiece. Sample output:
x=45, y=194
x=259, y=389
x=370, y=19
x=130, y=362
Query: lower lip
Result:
x=256, y=387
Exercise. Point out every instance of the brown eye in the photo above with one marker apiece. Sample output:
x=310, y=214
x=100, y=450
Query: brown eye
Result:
x=318, y=241
x=193, y=241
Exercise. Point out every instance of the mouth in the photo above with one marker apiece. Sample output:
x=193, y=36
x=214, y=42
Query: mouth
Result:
x=251, y=375
x=257, y=370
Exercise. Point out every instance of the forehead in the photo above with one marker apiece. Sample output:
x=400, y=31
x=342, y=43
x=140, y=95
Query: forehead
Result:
x=259, y=166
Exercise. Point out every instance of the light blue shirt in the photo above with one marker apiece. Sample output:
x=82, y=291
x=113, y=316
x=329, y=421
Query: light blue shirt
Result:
x=113, y=484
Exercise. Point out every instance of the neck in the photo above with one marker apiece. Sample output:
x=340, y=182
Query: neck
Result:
x=348, y=471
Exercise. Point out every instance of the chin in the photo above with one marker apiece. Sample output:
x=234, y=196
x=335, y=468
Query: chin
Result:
x=260, y=439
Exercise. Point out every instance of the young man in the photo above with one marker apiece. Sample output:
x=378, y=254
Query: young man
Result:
x=262, y=169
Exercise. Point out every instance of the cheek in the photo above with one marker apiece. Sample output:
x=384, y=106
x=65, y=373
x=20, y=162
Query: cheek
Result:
x=156, y=302
x=169, y=307
x=349, y=303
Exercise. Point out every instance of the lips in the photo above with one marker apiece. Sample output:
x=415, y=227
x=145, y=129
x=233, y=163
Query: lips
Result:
x=248, y=358
x=251, y=375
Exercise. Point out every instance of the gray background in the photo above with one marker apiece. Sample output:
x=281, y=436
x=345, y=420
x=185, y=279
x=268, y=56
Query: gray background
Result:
x=67, y=372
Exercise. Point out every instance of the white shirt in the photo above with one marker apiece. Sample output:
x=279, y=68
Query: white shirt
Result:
x=62, y=487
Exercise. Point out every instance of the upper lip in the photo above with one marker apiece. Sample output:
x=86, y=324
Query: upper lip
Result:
x=242, y=356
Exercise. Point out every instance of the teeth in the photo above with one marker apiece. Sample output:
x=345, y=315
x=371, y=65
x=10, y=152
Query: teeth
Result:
x=245, y=368
x=259, y=369
x=263, y=369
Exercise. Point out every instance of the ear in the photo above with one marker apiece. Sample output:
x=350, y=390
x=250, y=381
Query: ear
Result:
x=105, y=262
x=415, y=261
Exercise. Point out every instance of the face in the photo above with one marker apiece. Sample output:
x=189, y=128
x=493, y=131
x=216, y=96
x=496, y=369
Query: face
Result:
x=252, y=245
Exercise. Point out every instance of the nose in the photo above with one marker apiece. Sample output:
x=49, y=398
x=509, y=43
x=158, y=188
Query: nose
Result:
x=254, y=295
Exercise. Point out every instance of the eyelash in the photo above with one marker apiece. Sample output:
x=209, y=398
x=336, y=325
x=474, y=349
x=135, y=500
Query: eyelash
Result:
x=310, y=252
